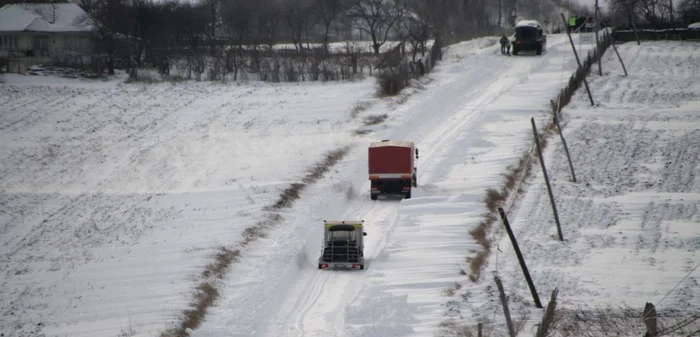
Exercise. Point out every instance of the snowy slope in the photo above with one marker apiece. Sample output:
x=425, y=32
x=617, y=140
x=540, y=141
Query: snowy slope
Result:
x=630, y=221
x=469, y=124
x=113, y=196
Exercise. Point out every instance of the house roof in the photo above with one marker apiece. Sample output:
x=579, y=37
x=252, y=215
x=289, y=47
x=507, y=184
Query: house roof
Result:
x=49, y=18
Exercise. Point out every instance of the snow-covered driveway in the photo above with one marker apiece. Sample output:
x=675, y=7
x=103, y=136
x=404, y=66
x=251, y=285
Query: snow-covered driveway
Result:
x=469, y=124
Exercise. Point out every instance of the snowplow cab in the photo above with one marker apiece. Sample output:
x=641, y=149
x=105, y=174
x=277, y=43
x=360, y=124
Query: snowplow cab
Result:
x=343, y=245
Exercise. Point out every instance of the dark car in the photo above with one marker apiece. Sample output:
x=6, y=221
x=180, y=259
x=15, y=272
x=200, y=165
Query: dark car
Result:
x=529, y=36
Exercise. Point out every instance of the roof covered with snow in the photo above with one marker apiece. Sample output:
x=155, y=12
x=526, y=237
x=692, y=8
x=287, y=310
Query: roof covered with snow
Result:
x=695, y=25
x=50, y=18
x=528, y=23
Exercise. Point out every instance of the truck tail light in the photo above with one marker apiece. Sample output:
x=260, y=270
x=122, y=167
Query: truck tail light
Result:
x=355, y=266
x=374, y=188
x=324, y=266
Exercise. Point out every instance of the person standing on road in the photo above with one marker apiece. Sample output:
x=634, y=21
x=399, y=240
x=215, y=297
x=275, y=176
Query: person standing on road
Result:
x=505, y=45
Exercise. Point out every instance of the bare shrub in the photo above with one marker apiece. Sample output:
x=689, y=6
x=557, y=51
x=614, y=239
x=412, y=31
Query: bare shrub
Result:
x=375, y=119
x=289, y=195
x=144, y=76
x=494, y=199
x=204, y=297
x=452, y=328
x=392, y=81
x=223, y=259
x=477, y=263
x=359, y=107
x=330, y=159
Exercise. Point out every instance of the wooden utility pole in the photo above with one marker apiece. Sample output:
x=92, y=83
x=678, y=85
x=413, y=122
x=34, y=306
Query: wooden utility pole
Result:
x=597, y=39
x=546, y=180
x=578, y=61
x=612, y=42
x=521, y=260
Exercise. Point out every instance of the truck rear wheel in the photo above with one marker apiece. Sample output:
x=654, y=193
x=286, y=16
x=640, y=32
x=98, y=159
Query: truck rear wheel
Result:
x=408, y=194
x=373, y=196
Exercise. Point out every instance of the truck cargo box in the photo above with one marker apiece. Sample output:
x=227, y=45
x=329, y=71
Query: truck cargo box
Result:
x=391, y=157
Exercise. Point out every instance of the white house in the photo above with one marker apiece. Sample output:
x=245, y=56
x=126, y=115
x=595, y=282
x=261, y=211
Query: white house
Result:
x=43, y=31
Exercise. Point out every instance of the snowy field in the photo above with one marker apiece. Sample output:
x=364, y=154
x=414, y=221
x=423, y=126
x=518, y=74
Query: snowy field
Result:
x=630, y=221
x=113, y=196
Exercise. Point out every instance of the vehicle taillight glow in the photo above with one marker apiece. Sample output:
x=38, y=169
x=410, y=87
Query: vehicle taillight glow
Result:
x=324, y=266
x=355, y=266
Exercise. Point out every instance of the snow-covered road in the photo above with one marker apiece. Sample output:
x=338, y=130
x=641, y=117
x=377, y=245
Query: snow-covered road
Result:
x=286, y=295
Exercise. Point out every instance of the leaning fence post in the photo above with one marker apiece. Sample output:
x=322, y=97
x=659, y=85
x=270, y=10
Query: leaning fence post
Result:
x=580, y=67
x=504, y=302
x=611, y=40
x=546, y=180
x=566, y=148
x=521, y=260
x=650, y=320
x=548, y=316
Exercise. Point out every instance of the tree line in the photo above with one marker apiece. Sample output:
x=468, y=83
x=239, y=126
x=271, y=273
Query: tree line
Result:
x=138, y=33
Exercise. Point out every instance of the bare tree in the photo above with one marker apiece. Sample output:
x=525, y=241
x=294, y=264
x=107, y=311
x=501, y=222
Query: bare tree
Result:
x=238, y=17
x=108, y=19
x=377, y=18
x=299, y=17
x=415, y=27
x=213, y=8
x=328, y=12
x=269, y=16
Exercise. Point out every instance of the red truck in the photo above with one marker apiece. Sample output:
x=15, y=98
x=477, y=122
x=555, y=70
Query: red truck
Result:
x=391, y=168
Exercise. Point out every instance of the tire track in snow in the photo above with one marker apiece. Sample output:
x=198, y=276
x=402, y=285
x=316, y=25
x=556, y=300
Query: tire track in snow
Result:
x=438, y=130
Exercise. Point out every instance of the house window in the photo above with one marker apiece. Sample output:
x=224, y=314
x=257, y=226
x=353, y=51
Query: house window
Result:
x=73, y=43
x=9, y=42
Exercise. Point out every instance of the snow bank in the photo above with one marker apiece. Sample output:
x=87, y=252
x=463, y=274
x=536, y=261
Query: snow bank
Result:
x=629, y=222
